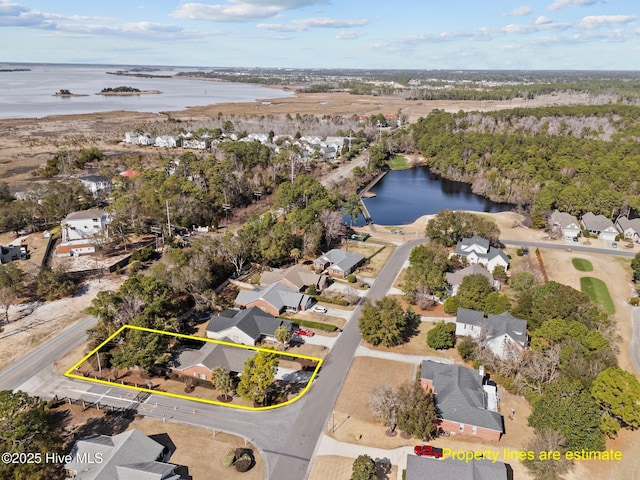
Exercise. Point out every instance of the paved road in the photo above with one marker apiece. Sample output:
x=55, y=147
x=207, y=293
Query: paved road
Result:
x=564, y=246
x=345, y=170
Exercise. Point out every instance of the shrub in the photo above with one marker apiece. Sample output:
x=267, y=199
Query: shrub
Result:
x=229, y=458
x=519, y=252
x=351, y=278
x=255, y=278
x=312, y=290
x=451, y=305
x=243, y=464
x=442, y=336
x=634, y=301
x=467, y=349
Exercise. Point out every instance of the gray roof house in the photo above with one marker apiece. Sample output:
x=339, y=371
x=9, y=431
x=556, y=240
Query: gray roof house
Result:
x=503, y=334
x=566, y=223
x=600, y=225
x=247, y=326
x=127, y=456
x=200, y=362
x=422, y=468
x=274, y=299
x=466, y=403
x=630, y=228
x=296, y=277
x=340, y=263
x=477, y=249
x=97, y=184
x=454, y=279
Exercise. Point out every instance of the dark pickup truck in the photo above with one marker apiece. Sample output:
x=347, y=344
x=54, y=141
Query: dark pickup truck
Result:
x=427, y=451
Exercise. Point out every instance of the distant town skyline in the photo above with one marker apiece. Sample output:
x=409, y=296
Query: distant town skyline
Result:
x=400, y=34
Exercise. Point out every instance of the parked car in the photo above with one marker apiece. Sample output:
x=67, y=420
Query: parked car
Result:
x=427, y=451
x=614, y=245
x=318, y=309
x=303, y=332
x=575, y=239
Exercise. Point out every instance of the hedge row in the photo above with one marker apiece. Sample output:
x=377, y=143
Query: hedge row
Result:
x=336, y=301
x=320, y=326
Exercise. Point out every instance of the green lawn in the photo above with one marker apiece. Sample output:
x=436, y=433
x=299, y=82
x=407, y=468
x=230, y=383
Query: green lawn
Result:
x=598, y=292
x=398, y=163
x=582, y=265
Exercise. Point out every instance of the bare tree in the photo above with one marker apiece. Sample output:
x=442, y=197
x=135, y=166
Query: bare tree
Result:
x=383, y=403
x=333, y=224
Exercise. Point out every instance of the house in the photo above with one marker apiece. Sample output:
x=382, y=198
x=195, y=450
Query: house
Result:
x=503, y=334
x=75, y=248
x=189, y=141
x=127, y=456
x=297, y=278
x=454, y=279
x=466, y=401
x=85, y=225
x=600, y=226
x=166, y=141
x=339, y=263
x=248, y=326
x=96, y=184
x=565, y=223
x=9, y=253
x=146, y=139
x=630, y=228
x=199, y=363
x=477, y=250
x=274, y=299
x=130, y=173
x=422, y=468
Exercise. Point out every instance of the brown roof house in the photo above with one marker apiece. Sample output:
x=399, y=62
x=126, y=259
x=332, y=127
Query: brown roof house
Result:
x=600, y=226
x=466, y=401
x=248, y=326
x=274, y=299
x=199, y=363
x=422, y=468
x=128, y=456
x=339, y=263
x=504, y=334
x=297, y=278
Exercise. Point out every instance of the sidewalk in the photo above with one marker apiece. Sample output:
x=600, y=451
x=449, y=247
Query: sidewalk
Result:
x=363, y=351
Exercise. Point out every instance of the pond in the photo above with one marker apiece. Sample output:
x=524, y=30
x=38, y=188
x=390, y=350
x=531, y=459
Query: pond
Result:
x=404, y=195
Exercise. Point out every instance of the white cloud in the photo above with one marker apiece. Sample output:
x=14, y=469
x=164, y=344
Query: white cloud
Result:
x=558, y=4
x=348, y=35
x=301, y=25
x=522, y=11
x=542, y=20
x=240, y=10
x=595, y=21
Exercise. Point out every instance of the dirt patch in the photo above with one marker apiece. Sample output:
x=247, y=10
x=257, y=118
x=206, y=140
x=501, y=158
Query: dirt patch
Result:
x=35, y=322
x=417, y=345
x=339, y=468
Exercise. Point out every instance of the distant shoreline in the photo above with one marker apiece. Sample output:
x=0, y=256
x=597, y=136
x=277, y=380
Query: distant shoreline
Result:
x=129, y=94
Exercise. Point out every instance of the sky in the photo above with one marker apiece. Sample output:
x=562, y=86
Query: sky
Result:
x=392, y=34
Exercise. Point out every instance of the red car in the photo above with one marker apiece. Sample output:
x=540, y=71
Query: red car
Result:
x=305, y=332
x=427, y=451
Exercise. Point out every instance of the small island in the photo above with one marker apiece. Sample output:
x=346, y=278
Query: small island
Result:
x=66, y=93
x=122, y=90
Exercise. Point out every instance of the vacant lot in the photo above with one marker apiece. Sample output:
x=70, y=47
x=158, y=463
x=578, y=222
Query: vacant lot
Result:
x=339, y=468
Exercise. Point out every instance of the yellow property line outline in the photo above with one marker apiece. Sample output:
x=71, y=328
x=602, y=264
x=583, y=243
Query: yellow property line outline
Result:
x=70, y=373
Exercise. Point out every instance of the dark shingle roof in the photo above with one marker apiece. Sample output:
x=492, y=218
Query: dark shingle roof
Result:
x=213, y=355
x=421, y=468
x=252, y=321
x=470, y=317
x=276, y=294
x=342, y=259
x=596, y=223
x=455, y=278
x=507, y=324
x=459, y=395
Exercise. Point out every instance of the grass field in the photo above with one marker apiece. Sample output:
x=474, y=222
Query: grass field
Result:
x=398, y=163
x=582, y=265
x=598, y=292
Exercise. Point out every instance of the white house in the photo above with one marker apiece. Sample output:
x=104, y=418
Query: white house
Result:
x=630, y=228
x=566, y=223
x=97, y=184
x=166, y=141
x=503, y=334
x=601, y=226
x=477, y=250
x=85, y=225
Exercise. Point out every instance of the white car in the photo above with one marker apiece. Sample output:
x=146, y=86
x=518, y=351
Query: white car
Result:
x=318, y=309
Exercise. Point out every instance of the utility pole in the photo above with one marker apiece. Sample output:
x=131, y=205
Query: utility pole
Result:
x=168, y=218
x=292, y=171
